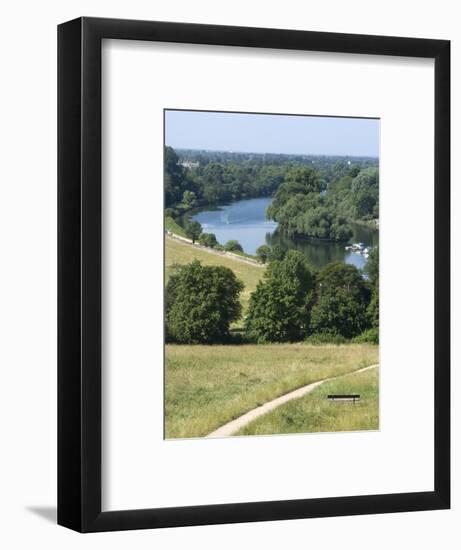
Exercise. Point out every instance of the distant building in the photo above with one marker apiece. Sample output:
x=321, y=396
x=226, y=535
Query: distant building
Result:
x=189, y=164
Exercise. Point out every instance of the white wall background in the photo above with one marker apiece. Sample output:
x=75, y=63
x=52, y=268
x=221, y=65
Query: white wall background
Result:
x=28, y=272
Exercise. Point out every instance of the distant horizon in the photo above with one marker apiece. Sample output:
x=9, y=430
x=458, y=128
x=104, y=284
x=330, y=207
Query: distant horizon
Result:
x=277, y=134
x=269, y=153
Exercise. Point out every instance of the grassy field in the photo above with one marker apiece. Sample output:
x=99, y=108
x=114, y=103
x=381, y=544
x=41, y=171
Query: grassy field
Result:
x=314, y=413
x=171, y=225
x=207, y=386
x=177, y=252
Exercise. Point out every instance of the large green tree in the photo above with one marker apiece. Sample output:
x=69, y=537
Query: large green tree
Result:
x=193, y=230
x=341, y=301
x=201, y=303
x=279, y=307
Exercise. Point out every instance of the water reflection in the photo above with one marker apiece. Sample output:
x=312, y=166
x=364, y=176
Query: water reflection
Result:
x=320, y=253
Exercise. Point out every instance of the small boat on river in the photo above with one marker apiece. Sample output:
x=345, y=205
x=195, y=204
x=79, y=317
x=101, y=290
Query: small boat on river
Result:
x=359, y=248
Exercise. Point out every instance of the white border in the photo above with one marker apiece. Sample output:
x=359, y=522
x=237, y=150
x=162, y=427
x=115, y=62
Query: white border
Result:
x=140, y=469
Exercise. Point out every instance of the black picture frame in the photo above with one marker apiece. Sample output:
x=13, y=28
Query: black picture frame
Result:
x=79, y=274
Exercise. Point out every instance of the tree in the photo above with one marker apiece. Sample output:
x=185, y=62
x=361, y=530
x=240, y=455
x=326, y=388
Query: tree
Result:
x=201, y=303
x=263, y=253
x=373, y=309
x=277, y=253
x=301, y=209
x=279, y=308
x=365, y=202
x=193, y=230
x=189, y=199
x=233, y=246
x=341, y=301
x=177, y=179
x=365, y=192
x=173, y=176
x=298, y=181
x=208, y=239
x=371, y=269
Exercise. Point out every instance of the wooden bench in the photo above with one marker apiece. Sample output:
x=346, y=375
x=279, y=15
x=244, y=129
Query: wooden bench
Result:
x=343, y=397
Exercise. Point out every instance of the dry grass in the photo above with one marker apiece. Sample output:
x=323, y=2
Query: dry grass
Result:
x=207, y=386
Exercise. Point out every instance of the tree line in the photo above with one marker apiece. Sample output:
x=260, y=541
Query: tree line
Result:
x=316, y=197
x=292, y=302
x=216, y=182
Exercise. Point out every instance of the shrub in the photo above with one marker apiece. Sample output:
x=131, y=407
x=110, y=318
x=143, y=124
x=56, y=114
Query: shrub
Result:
x=233, y=246
x=170, y=213
x=277, y=253
x=201, y=303
x=263, y=253
x=370, y=336
x=208, y=239
x=325, y=338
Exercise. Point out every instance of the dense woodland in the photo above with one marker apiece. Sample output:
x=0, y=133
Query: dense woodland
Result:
x=314, y=196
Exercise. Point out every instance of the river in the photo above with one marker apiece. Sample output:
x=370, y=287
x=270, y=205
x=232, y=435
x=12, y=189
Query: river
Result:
x=245, y=221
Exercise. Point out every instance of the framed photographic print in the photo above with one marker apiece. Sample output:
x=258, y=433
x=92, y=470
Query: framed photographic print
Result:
x=253, y=274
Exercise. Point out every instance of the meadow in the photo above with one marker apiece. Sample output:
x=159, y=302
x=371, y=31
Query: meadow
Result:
x=208, y=386
x=315, y=413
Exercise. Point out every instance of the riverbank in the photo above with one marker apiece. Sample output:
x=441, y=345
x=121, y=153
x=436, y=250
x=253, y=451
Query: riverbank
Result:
x=371, y=224
x=246, y=222
x=233, y=255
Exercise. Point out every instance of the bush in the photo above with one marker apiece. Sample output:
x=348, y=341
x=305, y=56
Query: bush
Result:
x=263, y=253
x=326, y=338
x=370, y=336
x=170, y=213
x=233, y=246
x=208, y=239
x=277, y=253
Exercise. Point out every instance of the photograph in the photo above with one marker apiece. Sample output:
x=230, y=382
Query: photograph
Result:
x=271, y=274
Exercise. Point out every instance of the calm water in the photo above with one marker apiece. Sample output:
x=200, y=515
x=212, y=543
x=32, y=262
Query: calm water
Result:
x=245, y=221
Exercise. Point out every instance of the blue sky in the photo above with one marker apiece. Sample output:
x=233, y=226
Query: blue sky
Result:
x=272, y=133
